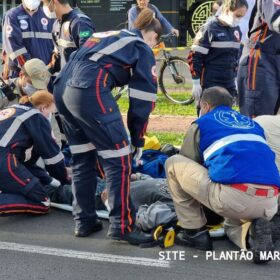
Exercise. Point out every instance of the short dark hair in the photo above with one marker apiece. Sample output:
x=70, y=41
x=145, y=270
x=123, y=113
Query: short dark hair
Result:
x=217, y=96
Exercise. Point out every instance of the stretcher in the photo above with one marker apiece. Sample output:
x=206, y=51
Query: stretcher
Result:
x=102, y=214
x=164, y=236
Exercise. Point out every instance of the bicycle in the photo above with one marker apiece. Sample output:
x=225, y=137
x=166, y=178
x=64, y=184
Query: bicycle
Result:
x=172, y=75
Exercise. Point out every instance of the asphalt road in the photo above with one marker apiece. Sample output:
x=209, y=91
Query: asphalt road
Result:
x=44, y=247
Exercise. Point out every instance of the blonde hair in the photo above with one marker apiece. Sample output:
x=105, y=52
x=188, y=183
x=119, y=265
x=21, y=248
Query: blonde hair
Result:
x=146, y=21
x=233, y=5
x=40, y=97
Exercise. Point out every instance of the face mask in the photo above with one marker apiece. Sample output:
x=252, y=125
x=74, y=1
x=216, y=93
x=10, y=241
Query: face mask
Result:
x=230, y=19
x=236, y=21
x=49, y=117
x=32, y=4
x=48, y=13
x=29, y=89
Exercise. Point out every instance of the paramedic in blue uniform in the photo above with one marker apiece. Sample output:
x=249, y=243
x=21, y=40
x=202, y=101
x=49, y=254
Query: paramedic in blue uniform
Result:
x=26, y=34
x=215, y=53
x=143, y=4
x=93, y=123
x=71, y=29
x=24, y=127
x=225, y=164
x=259, y=68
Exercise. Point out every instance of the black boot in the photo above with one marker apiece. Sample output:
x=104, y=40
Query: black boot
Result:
x=135, y=237
x=198, y=239
x=260, y=240
x=86, y=230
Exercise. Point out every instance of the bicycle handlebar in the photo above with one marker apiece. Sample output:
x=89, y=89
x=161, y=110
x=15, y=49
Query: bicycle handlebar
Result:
x=167, y=37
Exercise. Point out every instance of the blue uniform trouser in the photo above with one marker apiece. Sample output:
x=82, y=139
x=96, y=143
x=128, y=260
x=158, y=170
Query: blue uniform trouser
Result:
x=259, y=84
x=93, y=125
x=20, y=190
x=213, y=76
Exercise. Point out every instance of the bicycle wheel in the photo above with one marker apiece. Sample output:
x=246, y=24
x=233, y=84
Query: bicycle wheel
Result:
x=176, y=88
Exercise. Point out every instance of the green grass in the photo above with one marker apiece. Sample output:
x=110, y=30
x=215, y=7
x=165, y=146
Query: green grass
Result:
x=163, y=107
x=176, y=139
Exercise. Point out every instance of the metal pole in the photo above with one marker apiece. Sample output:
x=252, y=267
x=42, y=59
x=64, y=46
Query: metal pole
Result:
x=4, y=6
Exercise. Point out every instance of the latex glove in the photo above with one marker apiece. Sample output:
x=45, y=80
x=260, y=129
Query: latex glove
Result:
x=136, y=153
x=196, y=91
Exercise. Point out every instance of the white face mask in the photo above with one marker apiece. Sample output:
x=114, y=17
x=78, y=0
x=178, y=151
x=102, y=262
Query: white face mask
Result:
x=29, y=89
x=49, y=117
x=32, y=4
x=230, y=19
x=48, y=13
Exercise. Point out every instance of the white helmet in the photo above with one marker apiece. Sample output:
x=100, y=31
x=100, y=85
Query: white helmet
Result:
x=31, y=4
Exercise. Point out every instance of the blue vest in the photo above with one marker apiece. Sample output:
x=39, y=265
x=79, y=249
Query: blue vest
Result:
x=234, y=149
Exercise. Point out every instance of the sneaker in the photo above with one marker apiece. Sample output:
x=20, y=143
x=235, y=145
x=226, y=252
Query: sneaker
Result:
x=200, y=240
x=135, y=237
x=84, y=231
x=260, y=239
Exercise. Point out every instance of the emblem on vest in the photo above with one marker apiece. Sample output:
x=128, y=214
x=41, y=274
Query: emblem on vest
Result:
x=234, y=119
x=23, y=24
x=7, y=113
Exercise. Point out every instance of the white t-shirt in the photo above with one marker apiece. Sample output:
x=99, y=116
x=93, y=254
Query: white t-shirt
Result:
x=271, y=127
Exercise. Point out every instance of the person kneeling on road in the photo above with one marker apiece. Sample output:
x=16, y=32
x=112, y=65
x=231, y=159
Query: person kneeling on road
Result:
x=226, y=165
x=24, y=126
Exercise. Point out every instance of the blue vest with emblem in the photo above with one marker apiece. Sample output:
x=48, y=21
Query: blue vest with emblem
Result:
x=234, y=149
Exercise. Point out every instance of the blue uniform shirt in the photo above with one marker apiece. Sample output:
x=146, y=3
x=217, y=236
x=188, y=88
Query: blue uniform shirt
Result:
x=71, y=32
x=234, y=149
x=22, y=127
x=264, y=28
x=215, y=54
x=26, y=37
x=128, y=60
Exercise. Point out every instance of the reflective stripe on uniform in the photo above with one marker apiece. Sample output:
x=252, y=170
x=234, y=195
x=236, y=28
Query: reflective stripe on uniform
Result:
x=17, y=53
x=276, y=25
x=115, y=153
x=200, y=49
x=54, y=159
x=142, y=95
x=234, y=45
x=121, y=43
x=229, y=140
x=65, y=43
x=43, y=35
x=83, y=148
x=10, y=133
x=27, y=34
x=39, y=35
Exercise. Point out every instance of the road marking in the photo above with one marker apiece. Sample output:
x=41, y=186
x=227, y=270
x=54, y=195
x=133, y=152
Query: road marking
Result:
x=82, y=255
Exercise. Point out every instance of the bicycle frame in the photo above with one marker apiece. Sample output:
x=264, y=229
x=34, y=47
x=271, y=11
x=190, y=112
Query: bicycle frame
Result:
x=167, y=55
